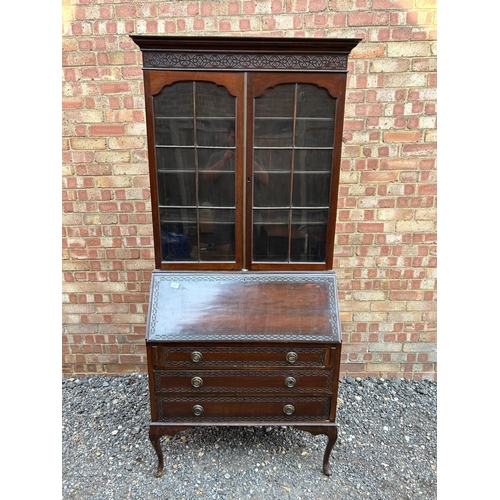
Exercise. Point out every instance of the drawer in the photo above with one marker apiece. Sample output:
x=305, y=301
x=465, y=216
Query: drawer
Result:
x=242, y=381
x=221, y=409
x=227, y=356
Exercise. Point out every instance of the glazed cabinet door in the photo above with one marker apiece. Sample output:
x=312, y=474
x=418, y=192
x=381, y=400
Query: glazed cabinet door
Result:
x=195, y=138
x=294, y=141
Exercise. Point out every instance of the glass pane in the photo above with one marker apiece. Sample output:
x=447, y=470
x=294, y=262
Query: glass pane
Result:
x=178, y=233
x=174, y=131
x=174, y=101
x=293, y=136
x=221, y=237
x=215, y=132
x=270, y=231
x=276, y=193
x=314, y=133
x=298, y=245
x=195, y=158
x=217, y=179
x=315, y=102
x=276, y=102
x=311, y=223
x=313, y=159
x=311, y=189
x=273, y=132
x=175, y=159
x=177, y=188
x=274, y=159
x=214, y=101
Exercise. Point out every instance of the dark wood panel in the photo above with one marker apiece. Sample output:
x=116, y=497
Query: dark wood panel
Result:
x=241, y=355
x=289, y=307
x=243, y=381
x=219, y=408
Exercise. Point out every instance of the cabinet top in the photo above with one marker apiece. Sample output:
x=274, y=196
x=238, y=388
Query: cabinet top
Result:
x=245, y=53
x=243, y=306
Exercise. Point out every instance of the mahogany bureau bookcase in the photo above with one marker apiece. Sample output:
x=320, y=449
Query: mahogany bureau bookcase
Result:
x=244, y=144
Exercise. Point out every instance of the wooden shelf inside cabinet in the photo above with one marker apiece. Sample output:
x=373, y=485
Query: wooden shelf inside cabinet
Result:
x=243, y=349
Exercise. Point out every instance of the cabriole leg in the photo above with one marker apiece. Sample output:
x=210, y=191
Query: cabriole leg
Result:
x=154, y=436
x=332, y=434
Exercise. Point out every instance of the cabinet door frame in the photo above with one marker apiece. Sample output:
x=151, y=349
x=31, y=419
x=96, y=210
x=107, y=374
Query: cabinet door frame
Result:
x=257, y=84
x=154, y=82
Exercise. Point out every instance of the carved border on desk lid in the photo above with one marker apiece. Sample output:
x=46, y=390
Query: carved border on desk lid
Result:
x=327, y=279
x=200, y=60
x=230, y=337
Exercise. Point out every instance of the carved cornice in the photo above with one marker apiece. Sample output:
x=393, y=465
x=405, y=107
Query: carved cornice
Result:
x=238, y=61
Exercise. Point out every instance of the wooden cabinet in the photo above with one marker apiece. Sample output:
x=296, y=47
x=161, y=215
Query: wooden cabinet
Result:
x=243, y=348
x=244, y=144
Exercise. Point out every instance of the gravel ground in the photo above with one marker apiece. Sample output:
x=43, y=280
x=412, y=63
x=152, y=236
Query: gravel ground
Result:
x=386, y=448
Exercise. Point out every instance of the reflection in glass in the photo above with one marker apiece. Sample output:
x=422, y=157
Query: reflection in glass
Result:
x=270, y=228
x=178, y=233
x=275, y=159
x=273, y=133
x=276, y=102
x=314, y=133
x=213, y=132
x=311, y=190
x=216, y=234
x=313, y=160
x=174, y=131
x=172, y=159
x=213, y=101
x=315, y=102
x=174, y=101
x=177, y=188
x=194, y=131
x=313, y=224
x=294, y=135
x=276, y=193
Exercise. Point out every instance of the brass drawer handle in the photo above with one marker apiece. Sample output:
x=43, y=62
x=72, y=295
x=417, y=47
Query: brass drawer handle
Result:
x=198, y=410
x=196, y=357
x=291, y=357
x=288, y=409
x=196, y=381
x=290, y=382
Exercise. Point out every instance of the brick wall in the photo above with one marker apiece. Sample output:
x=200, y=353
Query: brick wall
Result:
x=385, y=254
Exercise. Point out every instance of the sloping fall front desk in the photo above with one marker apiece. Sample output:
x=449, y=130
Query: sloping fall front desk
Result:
x=243, y=349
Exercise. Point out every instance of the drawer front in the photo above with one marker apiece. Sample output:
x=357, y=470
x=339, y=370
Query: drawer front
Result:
x=191, y=357
x=242, y=381
x=221, y=409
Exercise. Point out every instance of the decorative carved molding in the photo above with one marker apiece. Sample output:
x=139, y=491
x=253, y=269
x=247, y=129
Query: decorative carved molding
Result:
x=226, y=61
x=227, y=401
x=320, y=352
x=243, y=374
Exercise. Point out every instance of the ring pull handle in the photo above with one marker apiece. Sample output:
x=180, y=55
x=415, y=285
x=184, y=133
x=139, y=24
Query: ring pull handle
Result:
x=196, y=381
x=196, y=357
x=198, y=410
x=288, y=409
x=292, y=357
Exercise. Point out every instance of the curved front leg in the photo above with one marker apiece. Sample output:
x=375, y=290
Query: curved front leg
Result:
x=331, y=431
x=154, y=436
x=156, y=431
x=332, y=434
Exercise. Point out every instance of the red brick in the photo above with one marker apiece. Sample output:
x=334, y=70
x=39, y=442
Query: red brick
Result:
x=106, y=130
x=388, y=173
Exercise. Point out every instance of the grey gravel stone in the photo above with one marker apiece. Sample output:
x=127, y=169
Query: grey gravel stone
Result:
x=386, y=448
